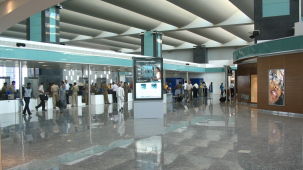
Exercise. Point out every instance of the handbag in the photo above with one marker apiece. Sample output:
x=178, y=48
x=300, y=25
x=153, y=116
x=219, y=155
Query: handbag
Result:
x=45, y=97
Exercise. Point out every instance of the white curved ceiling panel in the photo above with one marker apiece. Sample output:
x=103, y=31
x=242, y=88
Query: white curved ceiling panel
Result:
x=214, y=11
x=158, y=9
x=76, y=29
x=116, y=24
x=111, y=12
x=91, y=22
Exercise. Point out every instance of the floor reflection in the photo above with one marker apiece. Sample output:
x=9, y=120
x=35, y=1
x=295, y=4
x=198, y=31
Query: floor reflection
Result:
x=203, y=134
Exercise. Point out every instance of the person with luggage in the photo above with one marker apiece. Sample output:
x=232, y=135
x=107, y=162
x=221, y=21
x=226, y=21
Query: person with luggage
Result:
x=42, y=97
x=75, y=90
x=27, y=94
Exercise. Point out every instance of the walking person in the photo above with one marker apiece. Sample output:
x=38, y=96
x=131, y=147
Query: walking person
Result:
x=120, y=97
x=62, y=97
x=27, y=97
x=75, y=90
x=42, y=97
x=55, y=94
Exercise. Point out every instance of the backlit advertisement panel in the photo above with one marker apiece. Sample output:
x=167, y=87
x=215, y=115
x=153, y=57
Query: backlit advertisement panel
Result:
x=148, y=78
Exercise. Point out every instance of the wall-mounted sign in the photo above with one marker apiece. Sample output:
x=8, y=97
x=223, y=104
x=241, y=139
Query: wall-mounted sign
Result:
x=276, y=90
x=148, y=78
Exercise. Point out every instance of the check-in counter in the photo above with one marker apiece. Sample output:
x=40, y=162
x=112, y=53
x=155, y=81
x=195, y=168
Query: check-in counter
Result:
x=9, y=106
x=130, y=97
x=168, y=98
x=79, y=101
x=110, y=98
x=13, y=106
x=97, y=99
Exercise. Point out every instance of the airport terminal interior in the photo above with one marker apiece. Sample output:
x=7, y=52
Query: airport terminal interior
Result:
x=151, y=85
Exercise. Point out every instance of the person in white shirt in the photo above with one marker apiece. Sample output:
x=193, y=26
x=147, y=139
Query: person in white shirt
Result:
x=115, y=88
x=120, y=97
x=27, y=96
x=42, y=98
x=189, y=91
x=67, y=87
x=185, y=90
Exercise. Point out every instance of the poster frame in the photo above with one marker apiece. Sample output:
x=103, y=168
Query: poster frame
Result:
x=268, y=90
x=135, y=59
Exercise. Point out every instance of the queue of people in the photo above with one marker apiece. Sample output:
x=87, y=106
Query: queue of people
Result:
x=61, y=94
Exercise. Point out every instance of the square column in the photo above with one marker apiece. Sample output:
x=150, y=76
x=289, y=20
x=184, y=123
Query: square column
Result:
x=44, y=26
x=151, y=44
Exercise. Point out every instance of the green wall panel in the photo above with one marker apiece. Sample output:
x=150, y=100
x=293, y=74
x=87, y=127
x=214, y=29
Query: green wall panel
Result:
x=281, y=45
x=272, y=8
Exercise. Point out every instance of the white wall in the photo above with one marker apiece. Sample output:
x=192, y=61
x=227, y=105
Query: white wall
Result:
x=216, y=78
x=221, y=53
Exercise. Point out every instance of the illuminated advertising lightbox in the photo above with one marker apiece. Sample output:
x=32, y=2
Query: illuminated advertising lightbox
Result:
x=276, y=90
x=148, y=78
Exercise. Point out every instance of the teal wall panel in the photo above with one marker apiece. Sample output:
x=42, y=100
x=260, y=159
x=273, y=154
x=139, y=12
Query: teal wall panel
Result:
x=36, y=27
x=148, y=44
x=62, y=57
x=52, y=24
x=281, y=45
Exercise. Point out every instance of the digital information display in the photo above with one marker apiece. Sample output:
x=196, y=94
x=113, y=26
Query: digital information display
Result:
x=148, y=78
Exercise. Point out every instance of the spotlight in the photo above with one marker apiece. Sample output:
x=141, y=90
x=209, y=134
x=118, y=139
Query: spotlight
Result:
x=59, y=6
x=20, y=45
x=255, y=33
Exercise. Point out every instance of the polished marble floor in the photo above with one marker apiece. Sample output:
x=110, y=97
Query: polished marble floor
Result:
x=200, y=135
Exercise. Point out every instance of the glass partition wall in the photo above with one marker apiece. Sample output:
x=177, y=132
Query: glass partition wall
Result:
x=54, y=122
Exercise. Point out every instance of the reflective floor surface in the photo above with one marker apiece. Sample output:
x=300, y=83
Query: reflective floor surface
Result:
x=200, y=135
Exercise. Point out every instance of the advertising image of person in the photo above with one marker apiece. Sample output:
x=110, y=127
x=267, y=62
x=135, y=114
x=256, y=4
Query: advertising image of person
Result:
x=276, y=87
x=158, y=74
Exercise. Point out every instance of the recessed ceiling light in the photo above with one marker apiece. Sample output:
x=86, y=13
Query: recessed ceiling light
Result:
x=41, y=62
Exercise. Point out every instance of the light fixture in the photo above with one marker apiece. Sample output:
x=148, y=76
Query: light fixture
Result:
x=41, y=62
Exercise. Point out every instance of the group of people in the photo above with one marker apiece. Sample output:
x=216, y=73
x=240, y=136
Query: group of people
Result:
x=60, y=94
x=8, y=91
x=190, y=91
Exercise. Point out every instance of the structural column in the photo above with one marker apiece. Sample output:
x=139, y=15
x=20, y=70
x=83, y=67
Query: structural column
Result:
x=44, y=26
x=151, y=44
